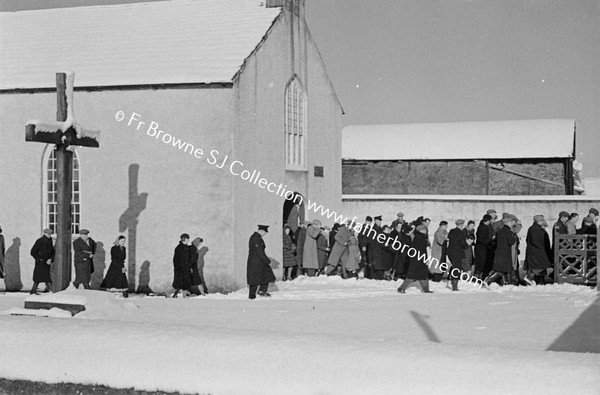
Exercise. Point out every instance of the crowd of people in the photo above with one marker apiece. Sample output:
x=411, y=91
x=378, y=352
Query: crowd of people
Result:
x=488, y=253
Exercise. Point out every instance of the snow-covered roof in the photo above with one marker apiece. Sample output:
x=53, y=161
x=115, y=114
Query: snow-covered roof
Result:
x=536, y=138
x=179, y=41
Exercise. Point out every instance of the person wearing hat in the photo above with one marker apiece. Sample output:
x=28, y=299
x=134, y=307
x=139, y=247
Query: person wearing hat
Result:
x=289, y=254
x=377, y=250
x=310, y=255
x=84, y=248
x=399, y=220
x=182, y=268
x=300, y=240
x=593, y=215
x=339, y=250
x=484, y=250
x=503, y=260
x=197, y=283
x=587, y=227
x=323, y=248
x=560, y=226
x=538, y=254
x=363, y=245
x=116, y=275
x=457, y=244
x=417, y=266
x=43, y=253
x=258, y=271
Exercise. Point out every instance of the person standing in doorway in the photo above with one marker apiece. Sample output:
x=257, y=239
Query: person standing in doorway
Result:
x=258, y=271
x=289, y=256
x=43, y=253
x=84, y=248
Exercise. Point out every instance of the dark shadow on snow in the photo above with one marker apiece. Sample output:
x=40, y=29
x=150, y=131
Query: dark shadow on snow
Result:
x=425, y=326
x=583, y=335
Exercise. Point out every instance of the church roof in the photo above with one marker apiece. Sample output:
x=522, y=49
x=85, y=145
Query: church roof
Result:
x=167, y=42
x=537, y=138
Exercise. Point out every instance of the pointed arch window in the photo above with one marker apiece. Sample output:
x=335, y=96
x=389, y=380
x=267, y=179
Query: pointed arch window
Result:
x=49, y=192
x=295, y=125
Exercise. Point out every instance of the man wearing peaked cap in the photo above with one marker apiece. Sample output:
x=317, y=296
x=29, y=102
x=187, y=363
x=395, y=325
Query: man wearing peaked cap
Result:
x=560, y=226
x=538, y=254
x=84, y=249
x=538, y=218
x=258, y=271
x=43, y=253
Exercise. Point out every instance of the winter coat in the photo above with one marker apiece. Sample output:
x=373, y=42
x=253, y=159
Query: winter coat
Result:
x=503, y=262
x=289, y=259
x=457, y=243
x=322, y=250
x=363, y=243
x=258, y=269
x=182, y=271
x=84, y=266
x=310, y=256
x=193, y=259
x=300, y=239
x=538, y=254
x=468, y=259
x=417, y=268
x=42, y=250
x=115, y=278
x=353, y=261
x=482, y=245
x=439, y=237
x=339, y=248
x=376, y=249
x=561, y=228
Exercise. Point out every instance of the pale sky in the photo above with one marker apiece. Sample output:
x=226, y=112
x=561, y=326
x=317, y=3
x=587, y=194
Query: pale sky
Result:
x=406, y=61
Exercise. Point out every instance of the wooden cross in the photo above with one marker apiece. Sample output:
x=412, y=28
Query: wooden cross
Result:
x=64, y=133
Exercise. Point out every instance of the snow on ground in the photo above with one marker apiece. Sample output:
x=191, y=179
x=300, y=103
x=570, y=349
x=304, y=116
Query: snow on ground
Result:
x=319, y=336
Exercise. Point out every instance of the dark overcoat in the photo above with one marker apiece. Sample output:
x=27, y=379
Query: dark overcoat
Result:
x=482, y=244
x=196, y=279
x=84, y=266
x=300, y=239
x=363, y=243
x=42, y=250
x=258, y=270
x=417, y=268
x=503, y=261
x=115, y=278
x=538, y=254
x=182, y=271
x=376, y=248
x=322, y=250
x=457, y=243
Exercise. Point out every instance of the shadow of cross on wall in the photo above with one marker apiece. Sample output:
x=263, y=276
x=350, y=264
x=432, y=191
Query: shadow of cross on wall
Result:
x=129, y=220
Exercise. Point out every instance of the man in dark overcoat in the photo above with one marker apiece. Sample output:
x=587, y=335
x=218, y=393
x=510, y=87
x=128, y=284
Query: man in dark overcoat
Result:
x=376, y=249
x=484, y=238
x=538, y=254
x=339, y=249
x=363, y=244
x=182, y=267
x=457, y=244
x=43, y=253
x=503, y=261
x=417, y=268
x=258, y=272
x=84, y=248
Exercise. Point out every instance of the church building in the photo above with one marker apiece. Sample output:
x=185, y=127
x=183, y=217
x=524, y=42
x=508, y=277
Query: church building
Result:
x=210, y=114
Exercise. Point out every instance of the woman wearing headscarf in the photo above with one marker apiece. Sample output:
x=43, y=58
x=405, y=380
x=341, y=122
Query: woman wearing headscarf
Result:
x=289, y=258
x=116, y=276
x=310, y=258
x=196, y=278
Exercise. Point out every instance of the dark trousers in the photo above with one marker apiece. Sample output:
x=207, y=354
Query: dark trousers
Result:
x=406, y=283
x=85, y=285
x=377, y=274
x=254, y=288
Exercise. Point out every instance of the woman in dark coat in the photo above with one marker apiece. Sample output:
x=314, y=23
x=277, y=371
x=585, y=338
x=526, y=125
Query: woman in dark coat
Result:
x=197, y=282
x=116, y=277
x=258, y=271
x=503, y=256
x=482, y=244
x=43, y=253
x=417, y=268
x=289, y=257
x=182, y=272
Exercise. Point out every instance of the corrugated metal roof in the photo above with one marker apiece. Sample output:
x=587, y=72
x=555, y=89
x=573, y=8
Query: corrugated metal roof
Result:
x=536, y=138
x=180, y=41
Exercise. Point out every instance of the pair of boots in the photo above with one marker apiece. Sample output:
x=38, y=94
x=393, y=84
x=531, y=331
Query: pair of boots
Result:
x=454, y=282
x=35, y=287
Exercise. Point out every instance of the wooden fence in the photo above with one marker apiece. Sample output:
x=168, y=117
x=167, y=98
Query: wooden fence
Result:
x=576, y=259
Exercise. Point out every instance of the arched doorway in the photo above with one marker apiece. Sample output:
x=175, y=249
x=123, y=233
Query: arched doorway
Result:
x=293, y=211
